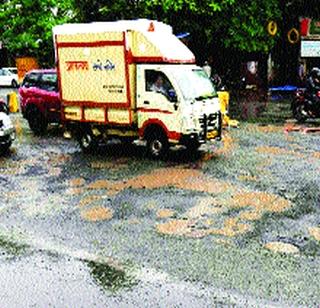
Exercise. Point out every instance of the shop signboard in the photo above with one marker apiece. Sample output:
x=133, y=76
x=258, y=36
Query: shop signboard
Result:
x=314, y=27
x=310, y=49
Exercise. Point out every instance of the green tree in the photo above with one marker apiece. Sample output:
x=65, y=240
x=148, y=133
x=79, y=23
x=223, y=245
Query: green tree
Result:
x=27, y=26
x=245, y=25
x=234, y=24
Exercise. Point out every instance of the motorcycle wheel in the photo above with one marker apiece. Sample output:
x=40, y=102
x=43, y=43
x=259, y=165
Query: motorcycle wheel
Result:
x=298, y=111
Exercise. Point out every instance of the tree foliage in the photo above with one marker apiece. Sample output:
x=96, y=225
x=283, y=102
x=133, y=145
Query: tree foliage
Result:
x=239, y=24
x=27, y=25
x=246, y=22
x=234, y=24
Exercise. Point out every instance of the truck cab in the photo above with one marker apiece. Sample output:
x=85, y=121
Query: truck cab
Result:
x=186, y=111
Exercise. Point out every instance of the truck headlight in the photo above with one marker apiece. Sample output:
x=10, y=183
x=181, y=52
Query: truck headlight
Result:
x=188, y=122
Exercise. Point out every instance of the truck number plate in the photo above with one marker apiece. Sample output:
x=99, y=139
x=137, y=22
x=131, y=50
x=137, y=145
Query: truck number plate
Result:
x=212, y=134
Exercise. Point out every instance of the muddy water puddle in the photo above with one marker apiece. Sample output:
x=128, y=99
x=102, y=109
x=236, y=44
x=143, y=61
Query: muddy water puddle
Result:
x=231, y=210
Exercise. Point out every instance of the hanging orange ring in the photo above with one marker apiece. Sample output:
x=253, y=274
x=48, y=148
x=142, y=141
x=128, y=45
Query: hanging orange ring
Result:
x=272, y=28
x=293, y=36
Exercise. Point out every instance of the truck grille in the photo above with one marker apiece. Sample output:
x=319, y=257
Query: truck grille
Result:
x=210, y=123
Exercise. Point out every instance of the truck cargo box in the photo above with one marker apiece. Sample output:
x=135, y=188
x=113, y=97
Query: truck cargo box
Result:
x=96, y=66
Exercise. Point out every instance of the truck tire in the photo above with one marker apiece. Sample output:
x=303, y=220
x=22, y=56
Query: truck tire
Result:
x=193, y=147
x=87, y=141
x=5, y=148
x=37, y=122
x=157, y=144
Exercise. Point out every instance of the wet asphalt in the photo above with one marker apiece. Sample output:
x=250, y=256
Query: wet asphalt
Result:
x=68, y=239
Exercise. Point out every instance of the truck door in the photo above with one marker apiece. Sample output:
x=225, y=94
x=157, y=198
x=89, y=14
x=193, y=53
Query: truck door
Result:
x=156, y=99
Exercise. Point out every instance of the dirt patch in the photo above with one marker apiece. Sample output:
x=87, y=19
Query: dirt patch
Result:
x=205, y=212
x=175, y=227
x=260, y=201
x=76, y=182
x=204, y=184
x=165, y=213
x=88, y=200
x=97, y=214
x=205, y=207
x=316, y=155
x=232, y=227
x=56, y=171
x=75, y=191
x=156, y=179
x=227, y=197
x=315, y=233
x=100, y=184
x=280, y=247
x=250, y=215
x=181, y=178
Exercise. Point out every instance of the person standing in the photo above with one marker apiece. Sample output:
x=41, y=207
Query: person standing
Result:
x=207, y=68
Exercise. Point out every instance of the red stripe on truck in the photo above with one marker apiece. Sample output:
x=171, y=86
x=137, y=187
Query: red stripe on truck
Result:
x=154, y=110
x=160, y=60
x=170, y=134
x=89, y=44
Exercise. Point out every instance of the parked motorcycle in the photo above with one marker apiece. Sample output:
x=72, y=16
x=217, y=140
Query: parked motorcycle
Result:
x=302, y=108
x=7, y=130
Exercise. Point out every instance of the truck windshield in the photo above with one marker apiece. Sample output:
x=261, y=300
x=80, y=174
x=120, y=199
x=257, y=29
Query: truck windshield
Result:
x=195, y=84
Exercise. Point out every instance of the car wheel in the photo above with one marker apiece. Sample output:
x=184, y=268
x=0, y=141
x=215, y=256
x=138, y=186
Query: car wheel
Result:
x=157, y=144
x=87, y=141
x=14, y=84
x=37, y=121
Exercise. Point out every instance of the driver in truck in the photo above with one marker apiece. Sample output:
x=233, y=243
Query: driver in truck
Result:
x=158, y=85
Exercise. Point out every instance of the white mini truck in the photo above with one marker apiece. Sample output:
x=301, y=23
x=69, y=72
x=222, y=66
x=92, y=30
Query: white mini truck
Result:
x=133, y=80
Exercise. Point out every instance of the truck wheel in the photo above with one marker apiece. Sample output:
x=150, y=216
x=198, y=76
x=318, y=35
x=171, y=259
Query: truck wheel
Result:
x=37, y=121
x=87, y=141
x=157, y=144
x=5, y=148
x=192, y=147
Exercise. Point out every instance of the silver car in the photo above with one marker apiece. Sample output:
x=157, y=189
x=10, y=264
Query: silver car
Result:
x=7, y=130
x=9, y=77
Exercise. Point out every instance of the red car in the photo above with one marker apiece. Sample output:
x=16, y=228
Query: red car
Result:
x=40, y=100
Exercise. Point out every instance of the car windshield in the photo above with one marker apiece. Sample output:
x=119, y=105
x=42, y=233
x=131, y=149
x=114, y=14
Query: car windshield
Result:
x=49, y=82
x=13, y=70
x=195, y=84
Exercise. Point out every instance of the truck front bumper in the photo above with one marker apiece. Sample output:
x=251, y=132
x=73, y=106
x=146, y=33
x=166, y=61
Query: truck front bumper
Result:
x=198, y=139
x=211, y=129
